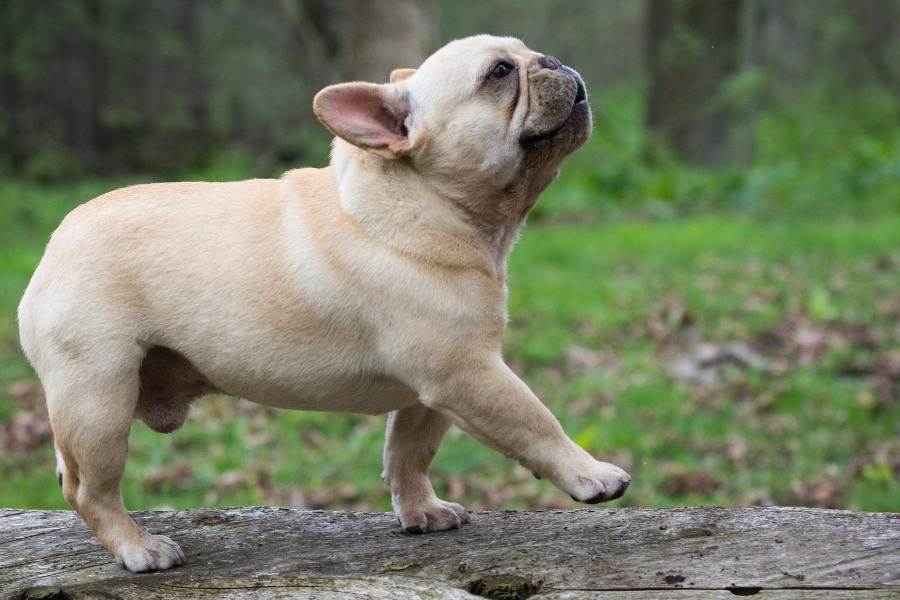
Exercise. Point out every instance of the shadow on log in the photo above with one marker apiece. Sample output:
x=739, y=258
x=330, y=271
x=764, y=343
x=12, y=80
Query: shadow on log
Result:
x=625, y=554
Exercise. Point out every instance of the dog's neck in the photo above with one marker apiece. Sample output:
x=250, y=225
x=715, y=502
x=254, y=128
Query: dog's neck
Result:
x=398, y=206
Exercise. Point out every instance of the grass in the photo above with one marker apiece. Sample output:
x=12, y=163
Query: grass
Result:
x=642, y=297
x=601, y=319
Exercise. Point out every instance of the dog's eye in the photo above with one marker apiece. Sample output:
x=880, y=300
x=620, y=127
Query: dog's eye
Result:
x=501, y=70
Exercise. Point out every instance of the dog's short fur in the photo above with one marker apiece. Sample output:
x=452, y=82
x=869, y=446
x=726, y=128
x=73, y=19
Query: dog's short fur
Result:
x=374, y=285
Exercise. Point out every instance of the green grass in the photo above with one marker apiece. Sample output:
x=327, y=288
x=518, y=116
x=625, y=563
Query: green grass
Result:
x=599, y=315
x=640, y=295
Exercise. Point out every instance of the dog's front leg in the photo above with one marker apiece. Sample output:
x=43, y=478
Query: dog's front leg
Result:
x=412, y=439
x=490, y=403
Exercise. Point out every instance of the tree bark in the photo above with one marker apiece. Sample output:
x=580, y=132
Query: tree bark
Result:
x=385, y=35
x=10, y=88
x=88, y=70
x=692, y=49
x=877, y=26
x=241, y=553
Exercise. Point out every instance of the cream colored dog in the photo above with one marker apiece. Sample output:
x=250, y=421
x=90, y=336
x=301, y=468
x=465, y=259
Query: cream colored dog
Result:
x=374, y=285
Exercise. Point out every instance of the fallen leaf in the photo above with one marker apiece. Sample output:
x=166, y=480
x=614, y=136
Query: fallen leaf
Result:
x=826, y=493
x=395, y=568
x=692, y=482
x=704, y=361
x=24, y=432
x=580, y=360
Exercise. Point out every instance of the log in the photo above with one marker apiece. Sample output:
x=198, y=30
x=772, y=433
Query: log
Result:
x=624, y=554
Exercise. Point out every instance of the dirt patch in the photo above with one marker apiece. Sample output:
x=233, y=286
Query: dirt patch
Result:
x=504, y=587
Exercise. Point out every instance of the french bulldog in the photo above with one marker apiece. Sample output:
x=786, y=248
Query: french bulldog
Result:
x=374, y=285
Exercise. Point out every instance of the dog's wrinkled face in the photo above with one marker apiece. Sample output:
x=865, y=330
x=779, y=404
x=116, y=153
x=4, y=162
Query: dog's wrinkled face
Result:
x=495, y=99
x=480, y=112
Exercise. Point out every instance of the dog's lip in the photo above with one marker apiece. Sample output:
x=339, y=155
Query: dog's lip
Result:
x=535, y=141
x=580, y=91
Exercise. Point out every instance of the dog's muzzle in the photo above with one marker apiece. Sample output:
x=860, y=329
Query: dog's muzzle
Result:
x=577, y=118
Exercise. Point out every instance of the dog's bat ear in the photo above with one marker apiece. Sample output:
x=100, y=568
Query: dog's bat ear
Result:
x=401, y=74
x=369, y=116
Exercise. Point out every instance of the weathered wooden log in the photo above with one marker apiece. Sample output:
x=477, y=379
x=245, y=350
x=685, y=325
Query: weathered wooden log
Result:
x=240, y=553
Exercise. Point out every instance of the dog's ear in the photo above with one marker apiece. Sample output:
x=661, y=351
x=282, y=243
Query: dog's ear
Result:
x=367, y=115
x=401, y=74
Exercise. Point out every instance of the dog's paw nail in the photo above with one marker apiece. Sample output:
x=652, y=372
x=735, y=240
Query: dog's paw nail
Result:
x=415, y=529
x=599, y=497
x=606, y=488
x=603, y=497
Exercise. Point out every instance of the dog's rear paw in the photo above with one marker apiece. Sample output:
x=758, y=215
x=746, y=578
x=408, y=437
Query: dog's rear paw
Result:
x=608, y=482
x=433, y=515
x=156, y=553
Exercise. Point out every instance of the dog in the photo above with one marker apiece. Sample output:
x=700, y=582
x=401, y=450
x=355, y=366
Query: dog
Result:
x=374, y=285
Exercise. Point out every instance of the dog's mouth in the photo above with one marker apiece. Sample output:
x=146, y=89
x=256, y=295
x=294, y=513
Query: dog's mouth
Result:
x=579, y=104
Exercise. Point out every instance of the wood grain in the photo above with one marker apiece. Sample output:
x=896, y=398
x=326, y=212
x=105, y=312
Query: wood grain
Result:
x=254, y=552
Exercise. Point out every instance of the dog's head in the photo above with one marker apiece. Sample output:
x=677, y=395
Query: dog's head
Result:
x=481, y=116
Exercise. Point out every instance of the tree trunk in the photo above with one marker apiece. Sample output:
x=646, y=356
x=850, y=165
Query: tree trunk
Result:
x=385, y=35
x=692, y=49
x=10, y=89
x=89, y=73
x=877, y=26
x=689, y=553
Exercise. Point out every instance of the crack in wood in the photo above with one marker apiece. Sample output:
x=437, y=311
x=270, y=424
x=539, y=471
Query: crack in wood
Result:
x=25, y=537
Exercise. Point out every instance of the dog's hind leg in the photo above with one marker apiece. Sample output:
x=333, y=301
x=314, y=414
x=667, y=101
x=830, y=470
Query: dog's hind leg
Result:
x=91, y=414
x=412, y=439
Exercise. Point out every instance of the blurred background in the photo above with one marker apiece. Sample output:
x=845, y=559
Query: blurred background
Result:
x=709, y=296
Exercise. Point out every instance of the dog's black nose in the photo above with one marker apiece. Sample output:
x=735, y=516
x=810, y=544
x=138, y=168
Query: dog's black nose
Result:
x=548, y=62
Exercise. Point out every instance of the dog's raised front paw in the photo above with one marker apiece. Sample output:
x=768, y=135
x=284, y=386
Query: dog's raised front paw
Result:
x=155, y=553
x=432, y=515
x=606, y=482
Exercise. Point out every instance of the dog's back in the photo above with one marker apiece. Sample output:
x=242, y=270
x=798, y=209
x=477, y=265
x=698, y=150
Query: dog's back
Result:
x=92, y=278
